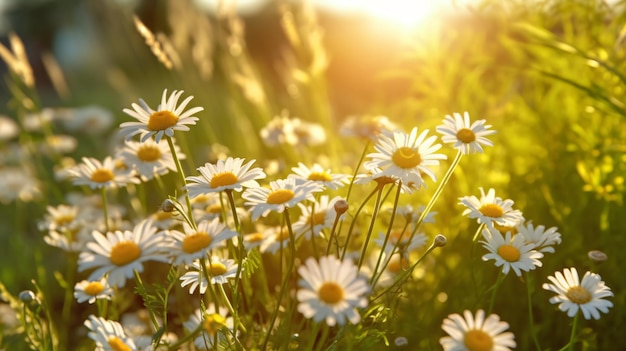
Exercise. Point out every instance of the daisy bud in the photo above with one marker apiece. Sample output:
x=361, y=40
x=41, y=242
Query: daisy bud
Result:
x=341, y=206
x=27, y=297
x=440, y=240
x=167, y=206
x=597, y=256
x=401, y=341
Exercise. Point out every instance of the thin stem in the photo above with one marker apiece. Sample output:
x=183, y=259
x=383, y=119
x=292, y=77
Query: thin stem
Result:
x=180, y=172
x=531, y=319
x=437, y=193
x=104, y=208
x=139, y=282
x=356, y=169
x=283, y=286
x=389, y=228
x=371, y=227
x=495, y=291
x=572, y=337
x=345, y=245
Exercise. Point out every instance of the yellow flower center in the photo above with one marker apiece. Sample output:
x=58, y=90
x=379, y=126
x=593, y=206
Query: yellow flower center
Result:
x=282, y=235
x=509, y=253
x=217, y=268
x=397, y=264
x=213, y=322
x=478, y=340
x=397, y=235
x=466, y=135
x=117, y=344
x=406, y=157
x=223, y=179
x=505, y=228
x=491, y=210
x=94, y=288
x=149, y=153
x=254, y=237
x=320, y=176
x=162, y=216
x=578, y=294
x=162, y=120
x=64, y=219
x=215, y=208
x=102, y=175
x=330, y=293
x=199, y=199
x=318, y=218
x=280, y=196
x=124, y=252
x=196, y=241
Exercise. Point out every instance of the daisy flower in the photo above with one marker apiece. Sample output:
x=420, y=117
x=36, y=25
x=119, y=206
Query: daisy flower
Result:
x=253, y=240
x=321, y=175
x=411, y=214
x=193, y=244
x=316, y=217
x=90, y=291
x=108, y=335
x=213, y=323
x=401, y=239
x=331, y=291
x=472, y=333
x=282, y=194
x=18, y=184
x=229, y=174
x=218, y=269
x=163, y=121
x=466, y=137
x=367, y=127
x=510, y=253
x=542, y=238
x=149, y=158
x=406, y=156
x=274, y=239
x=572, y=294
x=491, y=210
x=118, y=254
x=98, y=174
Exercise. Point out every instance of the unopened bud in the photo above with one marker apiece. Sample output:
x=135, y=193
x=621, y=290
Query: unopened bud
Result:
x=167, y=206
x=27, y=296
x=401, y=341
x=341, y=206
x=597, y=256
x=440, y=240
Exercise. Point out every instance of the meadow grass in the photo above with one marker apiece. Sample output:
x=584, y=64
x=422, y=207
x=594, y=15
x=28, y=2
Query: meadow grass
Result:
x=547, y=77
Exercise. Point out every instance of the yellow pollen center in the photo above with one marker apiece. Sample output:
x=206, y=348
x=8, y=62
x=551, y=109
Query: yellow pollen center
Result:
x=149, y=153
x=280, y=196
x=505, y=228
x=215, y=208
x=162, y=216
x=213, y=322
x=509, y=253
x=491, y=210
x=318, y=218
x=64, y=220
x=578, y=294
x=117, y=344
x=330, y=293
x=200, y=199
x=406, y=157
x=320, y=176
x=396, y=265
x=162, y=120
x=466, y=135
x=217, y=268
x=124, y=252
x=94, y=288
x=396, y=236
x=102, y=175
x=196, y=241
x=478, y=340
x=282, y=235
x=254, y=237
x=223, y=179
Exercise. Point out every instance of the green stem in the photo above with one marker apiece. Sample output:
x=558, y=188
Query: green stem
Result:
x=104, y=208
x=352, y=224
x=283, y=287
x=140, y=284
x=495, y=291
x=437, y=193
x=180, y=172
x=389, y=228
x=356, y=169
x=531, y=318
x=572, y=337
x=371, y=227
